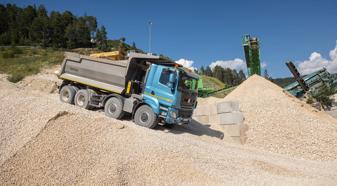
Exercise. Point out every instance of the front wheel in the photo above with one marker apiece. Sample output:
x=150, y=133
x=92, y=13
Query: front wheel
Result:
x=145, y=117
x=114, y=108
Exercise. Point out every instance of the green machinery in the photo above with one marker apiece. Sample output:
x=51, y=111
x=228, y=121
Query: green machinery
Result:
x=251, y=46
x=311, y=83
x=206, y=91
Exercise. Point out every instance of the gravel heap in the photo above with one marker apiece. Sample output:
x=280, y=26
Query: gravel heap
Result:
x=45, y=142
x=279, y=122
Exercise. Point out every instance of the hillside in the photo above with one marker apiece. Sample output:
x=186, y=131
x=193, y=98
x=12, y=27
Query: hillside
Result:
x=212, y=82
x=216, y=84
x=19, y=62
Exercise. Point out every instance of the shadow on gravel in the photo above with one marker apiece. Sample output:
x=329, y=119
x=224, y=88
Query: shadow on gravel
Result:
x=195, y=128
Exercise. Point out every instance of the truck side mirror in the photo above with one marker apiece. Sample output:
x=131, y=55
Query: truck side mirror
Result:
x=172, y=80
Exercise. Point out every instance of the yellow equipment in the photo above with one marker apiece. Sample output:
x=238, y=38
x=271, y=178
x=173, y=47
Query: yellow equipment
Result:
x=115, y=55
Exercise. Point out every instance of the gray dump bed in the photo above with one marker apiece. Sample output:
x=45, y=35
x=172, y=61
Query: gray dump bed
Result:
x=101, y=73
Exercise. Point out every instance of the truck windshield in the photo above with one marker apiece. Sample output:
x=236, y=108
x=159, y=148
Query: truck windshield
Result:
x=187, y=83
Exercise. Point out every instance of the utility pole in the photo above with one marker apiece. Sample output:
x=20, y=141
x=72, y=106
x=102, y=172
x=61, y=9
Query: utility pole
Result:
x=150, y=27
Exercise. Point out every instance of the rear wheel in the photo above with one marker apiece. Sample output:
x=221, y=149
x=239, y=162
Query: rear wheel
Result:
x=82, y=99
x=114, y=108
x=145, y=117
x=67, y=94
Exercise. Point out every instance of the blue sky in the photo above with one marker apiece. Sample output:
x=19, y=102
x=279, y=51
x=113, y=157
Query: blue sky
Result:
x=209, y=31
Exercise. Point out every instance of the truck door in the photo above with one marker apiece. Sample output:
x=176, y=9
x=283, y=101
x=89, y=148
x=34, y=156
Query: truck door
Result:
x=160, y=88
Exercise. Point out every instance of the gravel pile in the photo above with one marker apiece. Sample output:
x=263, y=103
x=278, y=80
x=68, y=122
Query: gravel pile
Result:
x=45, y=142
x=279, y=122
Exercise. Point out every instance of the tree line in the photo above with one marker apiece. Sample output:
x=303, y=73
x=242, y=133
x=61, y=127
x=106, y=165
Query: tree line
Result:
x=226, y=75
x=33, y=25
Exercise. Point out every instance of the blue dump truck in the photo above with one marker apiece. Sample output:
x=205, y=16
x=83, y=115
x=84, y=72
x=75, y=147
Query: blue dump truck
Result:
x=152, y=90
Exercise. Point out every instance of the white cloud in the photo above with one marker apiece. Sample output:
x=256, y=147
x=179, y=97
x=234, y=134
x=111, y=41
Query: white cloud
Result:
x=317, y=62
x=186, y=63
x=264, y=65
x=237, y=64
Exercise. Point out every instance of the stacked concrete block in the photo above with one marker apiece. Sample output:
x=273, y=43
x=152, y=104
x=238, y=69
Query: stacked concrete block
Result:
x=226, y=115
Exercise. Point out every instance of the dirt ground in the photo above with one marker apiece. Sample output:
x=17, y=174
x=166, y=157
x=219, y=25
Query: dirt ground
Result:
x=44, y=141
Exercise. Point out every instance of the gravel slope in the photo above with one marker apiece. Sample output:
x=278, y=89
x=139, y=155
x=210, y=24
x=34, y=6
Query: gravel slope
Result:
x=279, y=122
x=43, y=141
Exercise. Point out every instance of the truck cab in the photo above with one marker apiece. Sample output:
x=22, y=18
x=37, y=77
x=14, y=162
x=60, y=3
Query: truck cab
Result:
x=169, y=93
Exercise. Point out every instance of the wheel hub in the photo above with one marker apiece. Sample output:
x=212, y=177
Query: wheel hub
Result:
x=144, y=117
x=113, y=108
x=81, y=100
x=65, y=95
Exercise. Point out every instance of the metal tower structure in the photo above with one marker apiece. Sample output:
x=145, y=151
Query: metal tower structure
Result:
x=251, y=46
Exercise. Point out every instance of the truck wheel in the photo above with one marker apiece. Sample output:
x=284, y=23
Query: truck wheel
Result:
x=113, y=108
x=145, y=117
x=67, y=94
x=82, y=99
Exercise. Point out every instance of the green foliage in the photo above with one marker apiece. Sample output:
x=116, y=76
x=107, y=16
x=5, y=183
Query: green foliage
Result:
x=7, y=54
x=310, y=100
x=15, y=77
x=322, y=95
x=32, y=26
x=28, y=62
x=101, y=39
x=211, y=82
x=228, y=76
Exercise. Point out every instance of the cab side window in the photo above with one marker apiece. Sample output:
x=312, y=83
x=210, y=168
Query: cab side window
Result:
x=165, y=76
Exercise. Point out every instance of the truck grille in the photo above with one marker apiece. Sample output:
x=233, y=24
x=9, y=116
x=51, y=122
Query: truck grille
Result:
x=185, y=113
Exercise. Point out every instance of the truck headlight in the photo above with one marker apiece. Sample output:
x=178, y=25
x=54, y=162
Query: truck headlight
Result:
x=174, y=114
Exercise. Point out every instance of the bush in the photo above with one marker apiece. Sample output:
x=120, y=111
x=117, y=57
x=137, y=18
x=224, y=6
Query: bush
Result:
x=15, y=78
x=323, y=96
x=310, y=100
x=8, y=54
x=16, y=50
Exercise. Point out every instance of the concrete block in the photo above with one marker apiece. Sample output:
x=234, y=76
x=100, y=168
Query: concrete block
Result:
x=230, y=118
x=202, y=119
x=214, y=119
x=233, y=129
x=228, y=106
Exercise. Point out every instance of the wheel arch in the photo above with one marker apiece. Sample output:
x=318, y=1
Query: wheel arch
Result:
x=106, y=98
x=153, y=104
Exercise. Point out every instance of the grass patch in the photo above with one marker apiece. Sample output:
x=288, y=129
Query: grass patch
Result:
x=19, y=62
x=216, y=84
x=212, y=82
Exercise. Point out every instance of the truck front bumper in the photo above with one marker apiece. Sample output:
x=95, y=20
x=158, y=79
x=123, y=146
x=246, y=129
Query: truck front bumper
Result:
x=174, y=116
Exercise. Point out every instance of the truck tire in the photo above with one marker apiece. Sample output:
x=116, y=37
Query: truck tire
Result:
x=82, y=99
x=145, y=117
x=113, y=108
x=67, y=94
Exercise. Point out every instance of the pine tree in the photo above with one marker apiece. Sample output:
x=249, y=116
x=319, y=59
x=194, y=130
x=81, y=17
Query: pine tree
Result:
x=208, y=71
x=202, y=70
x=242, y=76
x=101, y=39
x=218, y=73
x=40, y=27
